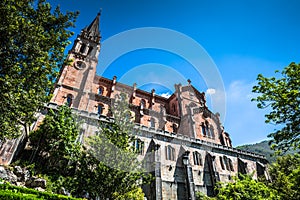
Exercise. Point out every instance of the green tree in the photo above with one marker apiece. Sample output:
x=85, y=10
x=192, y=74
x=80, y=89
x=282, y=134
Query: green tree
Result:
x=32, y=43
x=55, y=143
x=285, y=175
x=282, y=96
x=245, y=188
x=109, y=168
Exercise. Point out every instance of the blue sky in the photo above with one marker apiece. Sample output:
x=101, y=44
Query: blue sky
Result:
x=241, y=37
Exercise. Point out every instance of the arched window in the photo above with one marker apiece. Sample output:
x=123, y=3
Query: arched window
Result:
x=100, y=90
x=99, y=109
x=170, y=153
x=138, y=146
x=197, y=158
x=69, y=100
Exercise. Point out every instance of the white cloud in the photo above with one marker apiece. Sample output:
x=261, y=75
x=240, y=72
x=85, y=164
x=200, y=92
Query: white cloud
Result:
x=210, y=91
x=166, y=95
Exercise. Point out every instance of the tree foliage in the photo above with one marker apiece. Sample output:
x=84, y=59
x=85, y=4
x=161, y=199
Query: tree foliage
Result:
x=55, y=145
x=32, y=43
x=109, y=168
x=285, y=174
x=245, y=188
x=282, y=96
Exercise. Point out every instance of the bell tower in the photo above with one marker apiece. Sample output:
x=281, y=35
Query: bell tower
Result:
x=76, y=79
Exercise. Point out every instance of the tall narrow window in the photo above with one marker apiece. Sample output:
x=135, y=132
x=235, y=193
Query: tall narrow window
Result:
x=221, y=162
x=138, y=146
x=82, y=48
x=207, y=129
x=174, y=108
x=100, y=109
x=170, y=153
x=152, y=122
x=203, y=129
x=197, y=158
x=230, y=165
x=100, y=90
x=143, y=104
x=90, y=50
x=175, y=128
x=226, y=163
x=212, y=134
x=69, y=100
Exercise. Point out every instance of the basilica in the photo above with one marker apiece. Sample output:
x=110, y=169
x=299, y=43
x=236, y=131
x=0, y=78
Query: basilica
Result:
x=191, y=149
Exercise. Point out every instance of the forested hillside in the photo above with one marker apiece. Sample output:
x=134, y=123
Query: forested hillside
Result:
x=262, y=148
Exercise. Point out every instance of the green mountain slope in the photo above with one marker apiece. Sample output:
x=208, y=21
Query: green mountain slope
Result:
x=261, y=148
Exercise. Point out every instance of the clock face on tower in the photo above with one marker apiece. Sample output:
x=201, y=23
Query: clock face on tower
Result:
x=79, y=64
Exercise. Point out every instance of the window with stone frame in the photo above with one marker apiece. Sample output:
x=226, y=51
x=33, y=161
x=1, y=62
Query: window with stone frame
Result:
x=143, y=104
x=82, y=48
x=175, y=128
x=197, y=158
x=222, y=163
x=100, y=90
x=170, y=153
x=100, y=109
x=138, y=146
x=207, y=131
x=69, y=100
x=90, y=50
x=226, y=162
x=211, y=130
x=152, y=122
x=230, y=165
x=203, y=129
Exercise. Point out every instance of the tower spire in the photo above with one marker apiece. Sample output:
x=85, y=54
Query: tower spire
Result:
x=92, y=32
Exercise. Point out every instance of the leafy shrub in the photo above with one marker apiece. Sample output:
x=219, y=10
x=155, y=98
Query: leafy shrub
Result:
x=12, y=192
x=246, y=188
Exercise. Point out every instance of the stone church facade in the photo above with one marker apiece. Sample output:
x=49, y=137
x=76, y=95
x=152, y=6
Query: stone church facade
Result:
x=190, y=150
